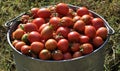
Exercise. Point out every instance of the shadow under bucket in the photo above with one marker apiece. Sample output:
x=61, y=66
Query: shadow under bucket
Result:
x=91, y=62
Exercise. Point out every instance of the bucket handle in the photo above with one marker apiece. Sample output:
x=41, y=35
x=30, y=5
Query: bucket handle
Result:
x=9, y=23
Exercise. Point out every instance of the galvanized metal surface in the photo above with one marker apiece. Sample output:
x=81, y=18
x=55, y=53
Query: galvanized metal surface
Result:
x=90, y=62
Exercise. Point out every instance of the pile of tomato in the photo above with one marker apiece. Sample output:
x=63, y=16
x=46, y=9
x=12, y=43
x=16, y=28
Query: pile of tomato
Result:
x=59, y=32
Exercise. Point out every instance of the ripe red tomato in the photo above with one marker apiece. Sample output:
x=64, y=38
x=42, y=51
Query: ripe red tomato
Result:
x=18, y=33
x=97, y=23
x=62, y=8
x=57, y=55
x=45, y=54
x=51, y=44
x=55, y=22
x=76, y=18
x=87, y=19
x=29, y=27
x=77, y=54
x=14, y=42
x=97, y=41
x=102, y=32
x=34, y=12
x=70, y=13
x=75, y=47
x=84, y=39
x=63, y=45
x=82, y=11
x=63, y=31
x=73, y=36
x=66, y=21
x=67, y=56
x=36, y=47
x=58, y=37
x=79, y=26
x=90, y=31
x=47, y=32
x=41, y=27
x=19, y=44
x=43, y=13
x=25, y=49
x=38, y=22
x=86, y=48
x=25, y=18
x=34, y=36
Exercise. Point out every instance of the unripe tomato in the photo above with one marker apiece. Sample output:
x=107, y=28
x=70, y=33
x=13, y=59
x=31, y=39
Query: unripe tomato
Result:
x=97, y=41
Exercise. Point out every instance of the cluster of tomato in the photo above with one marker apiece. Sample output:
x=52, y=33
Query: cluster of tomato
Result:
x=59, y=33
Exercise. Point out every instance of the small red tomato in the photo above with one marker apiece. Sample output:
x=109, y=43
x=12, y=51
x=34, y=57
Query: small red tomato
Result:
x=41, y=27
x=63, y=31
x=79, y=26
x=97, y=41
x=29, y=27
x=55, y=21
x=67, y=56
x=38, y=21
x=51, y=44
x=77, y=54
x=47, y=32
x=45, y=54
x=36, y=47
x=14, y=42
x=63, y=45
x=73, y=36
x=82, y=11
x=25, y=18
x=102, y=32
x=25, y=49
x=97, y=23
x=43, y=13
x=57, y=55
x=34, y=36
x=18, y=33
x=62, y=8
x=86, y=48
x=70, y=13
x=90, y=31
x=19, y=44
x=87, y=19
x=84, y=39
x=66, y=21
x=34, y=12
x=76, y=18
x=75, y=47
x=58, y=37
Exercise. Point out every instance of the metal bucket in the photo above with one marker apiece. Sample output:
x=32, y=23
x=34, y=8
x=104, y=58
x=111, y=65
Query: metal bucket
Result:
x=91, y=62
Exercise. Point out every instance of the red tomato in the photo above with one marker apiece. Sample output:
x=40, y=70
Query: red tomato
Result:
x=18, y=33
x=58, y=37
x=43, y=13
x=34, y=36
x=84, y=39
x=57, y=55
x=87, y=19
x=51, y=44
x=55, y=21
x=62, y=8
x=25, y=18
x=14, y=42
x=102, y=32
x=47, y=32
x=90, y=31
x=38, y=21
x=36, y=47
x=63, y=45
x=34, y=12
x=76, y=18
x=25, y=49
x=97, y=23
x=63, y=31
x=73, y=36
x=86, y=48
x=70, y=13
x=82, y=11
x=45, y=54
x=79, y=26
x=67, y=56
x=77, y=54
x=19, y=44
x=29, y=27
x=41, y=27
x=66, y=21
x=75, y=47
x=97, y=41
